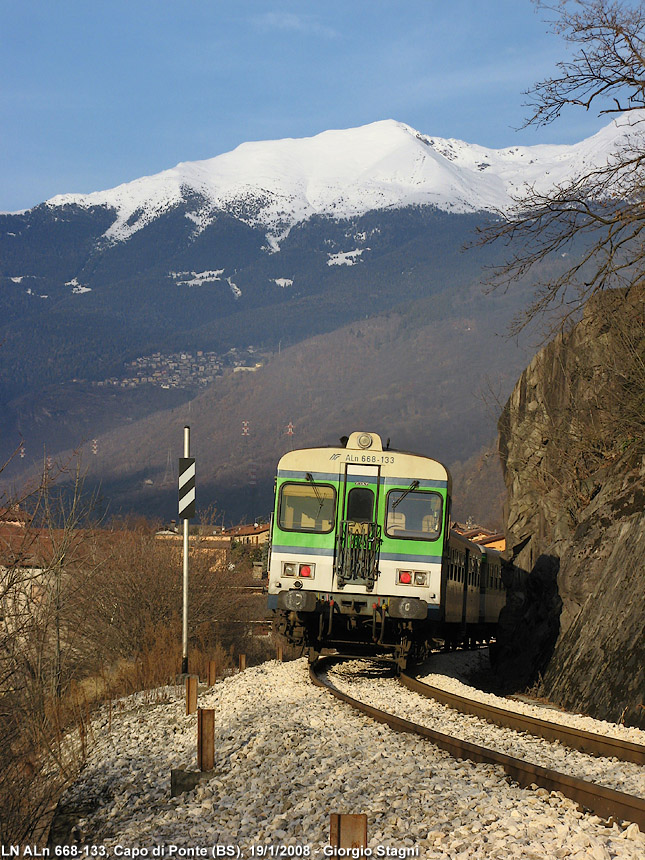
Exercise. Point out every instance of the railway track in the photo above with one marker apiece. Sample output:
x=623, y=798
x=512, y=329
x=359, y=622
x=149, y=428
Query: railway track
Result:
x=578, y=739
x=604, y=802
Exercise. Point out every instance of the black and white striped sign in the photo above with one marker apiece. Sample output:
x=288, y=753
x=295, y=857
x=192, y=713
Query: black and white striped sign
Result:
x=186, y=488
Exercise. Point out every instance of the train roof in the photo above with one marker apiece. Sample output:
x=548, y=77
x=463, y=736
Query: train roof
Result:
x=365, y=449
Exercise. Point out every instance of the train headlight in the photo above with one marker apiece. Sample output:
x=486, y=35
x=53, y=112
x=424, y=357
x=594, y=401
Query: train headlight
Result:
x=410, y=577
x=299, y=569
x=364, y=440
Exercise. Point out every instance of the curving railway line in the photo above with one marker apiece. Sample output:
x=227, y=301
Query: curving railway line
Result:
x=579, y=739
x=605, y=802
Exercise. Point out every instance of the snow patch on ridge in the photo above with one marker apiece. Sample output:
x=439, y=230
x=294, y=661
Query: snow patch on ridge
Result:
x=77, y=287
x=346, y=258
x=237, y=292
x=196, y=279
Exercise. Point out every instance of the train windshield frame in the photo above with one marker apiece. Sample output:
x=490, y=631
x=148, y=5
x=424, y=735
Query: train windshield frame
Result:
x=414, y=515
x=308, y=508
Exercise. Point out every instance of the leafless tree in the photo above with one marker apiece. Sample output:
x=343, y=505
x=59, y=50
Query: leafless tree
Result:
x=47, y=562
x=584, y=235
x=89, y=612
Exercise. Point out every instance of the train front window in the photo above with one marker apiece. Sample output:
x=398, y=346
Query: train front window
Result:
x=307, y=507
x=413, y=514
x=360, y=505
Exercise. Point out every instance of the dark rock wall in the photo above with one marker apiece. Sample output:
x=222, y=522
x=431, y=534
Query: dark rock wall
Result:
x=599, y=661
x=574, y=468
x=528, y=624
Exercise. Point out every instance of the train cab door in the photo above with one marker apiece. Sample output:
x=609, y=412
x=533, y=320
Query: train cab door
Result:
x=358, y=540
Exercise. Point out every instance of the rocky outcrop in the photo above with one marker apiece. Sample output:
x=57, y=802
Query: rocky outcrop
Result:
x=573, y=454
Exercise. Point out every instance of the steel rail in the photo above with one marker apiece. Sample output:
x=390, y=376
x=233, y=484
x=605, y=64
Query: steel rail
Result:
x=604, y=802
x=578, y=739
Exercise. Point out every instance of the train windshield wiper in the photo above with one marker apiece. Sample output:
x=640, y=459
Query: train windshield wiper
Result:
x=319, y=498
x=412, y=486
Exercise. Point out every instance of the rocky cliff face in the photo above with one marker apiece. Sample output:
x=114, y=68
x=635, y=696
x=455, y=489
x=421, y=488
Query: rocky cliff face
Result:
x=572, y=445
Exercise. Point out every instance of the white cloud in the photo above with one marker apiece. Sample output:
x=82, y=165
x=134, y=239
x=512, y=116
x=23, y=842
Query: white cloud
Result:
x=291, y=21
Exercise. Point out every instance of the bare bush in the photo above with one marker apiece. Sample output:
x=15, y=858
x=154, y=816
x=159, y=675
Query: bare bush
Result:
x=88, y=614
x=43, y=562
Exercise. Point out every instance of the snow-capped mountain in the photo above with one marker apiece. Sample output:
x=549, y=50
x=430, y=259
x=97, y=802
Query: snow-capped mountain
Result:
x=272, y=245
x=343, y=174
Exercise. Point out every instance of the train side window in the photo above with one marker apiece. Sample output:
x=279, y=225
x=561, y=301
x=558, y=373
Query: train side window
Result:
x=307, y=507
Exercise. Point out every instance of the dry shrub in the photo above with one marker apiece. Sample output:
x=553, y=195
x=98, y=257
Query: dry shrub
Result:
x=102, y=619
x=43, y=743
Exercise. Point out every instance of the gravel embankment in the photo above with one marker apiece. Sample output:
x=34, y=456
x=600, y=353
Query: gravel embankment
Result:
x=287, y=755
x=367, y=683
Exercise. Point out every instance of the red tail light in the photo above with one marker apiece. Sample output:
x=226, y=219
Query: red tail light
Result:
x=305, y=570
x=405, y=576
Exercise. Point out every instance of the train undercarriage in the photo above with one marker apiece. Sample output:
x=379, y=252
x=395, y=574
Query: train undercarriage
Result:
x=356, y=633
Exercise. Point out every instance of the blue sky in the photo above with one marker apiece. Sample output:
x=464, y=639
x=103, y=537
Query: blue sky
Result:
x=100, y=92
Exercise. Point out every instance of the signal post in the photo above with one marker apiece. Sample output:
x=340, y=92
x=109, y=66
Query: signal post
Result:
x=186, y=512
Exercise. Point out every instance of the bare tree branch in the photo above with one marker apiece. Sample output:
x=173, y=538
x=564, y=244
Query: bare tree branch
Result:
x=586, y=234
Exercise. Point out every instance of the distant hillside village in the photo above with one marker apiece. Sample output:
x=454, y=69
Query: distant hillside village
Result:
x=182, y=369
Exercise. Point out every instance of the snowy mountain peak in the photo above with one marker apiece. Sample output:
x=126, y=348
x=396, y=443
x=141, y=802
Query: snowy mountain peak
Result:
x=345, y=173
